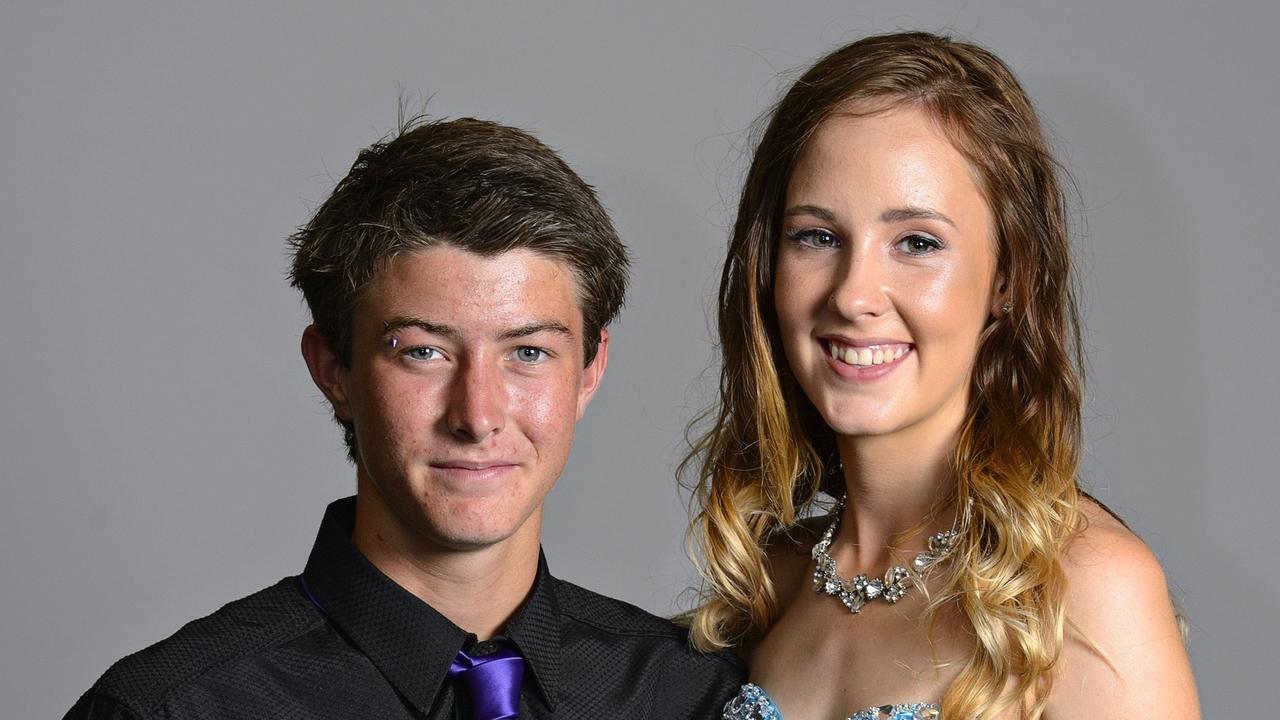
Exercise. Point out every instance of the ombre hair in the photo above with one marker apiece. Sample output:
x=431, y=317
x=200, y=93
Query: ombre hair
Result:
x=765, y=451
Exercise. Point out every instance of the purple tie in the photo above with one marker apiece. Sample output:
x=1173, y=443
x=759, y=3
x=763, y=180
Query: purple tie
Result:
x=492, y=682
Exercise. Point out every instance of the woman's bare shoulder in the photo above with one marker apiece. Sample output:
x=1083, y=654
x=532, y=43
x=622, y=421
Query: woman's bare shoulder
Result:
x=1105, y=544
x=1123, y=647
x=1111, y=573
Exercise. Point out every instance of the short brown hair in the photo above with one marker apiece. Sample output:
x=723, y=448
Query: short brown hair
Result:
x=472, y=184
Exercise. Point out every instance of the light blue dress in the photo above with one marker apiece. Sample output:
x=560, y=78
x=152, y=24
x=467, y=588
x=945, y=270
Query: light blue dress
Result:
x=753, y=703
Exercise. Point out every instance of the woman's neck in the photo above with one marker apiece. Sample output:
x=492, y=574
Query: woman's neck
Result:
x=899, y=491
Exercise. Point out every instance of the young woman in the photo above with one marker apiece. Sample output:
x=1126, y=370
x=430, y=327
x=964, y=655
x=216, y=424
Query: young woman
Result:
x=899, y=331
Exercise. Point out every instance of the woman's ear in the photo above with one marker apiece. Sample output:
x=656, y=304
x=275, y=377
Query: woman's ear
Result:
x=1001, y=305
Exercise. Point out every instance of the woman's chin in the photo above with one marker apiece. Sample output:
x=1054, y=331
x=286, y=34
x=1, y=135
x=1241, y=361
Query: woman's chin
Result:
x=851, y=428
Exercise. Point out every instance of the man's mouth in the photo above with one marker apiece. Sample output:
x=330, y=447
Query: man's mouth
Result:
x=475, y=465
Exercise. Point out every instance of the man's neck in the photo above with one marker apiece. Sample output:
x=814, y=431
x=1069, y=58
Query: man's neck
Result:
x=477, y=589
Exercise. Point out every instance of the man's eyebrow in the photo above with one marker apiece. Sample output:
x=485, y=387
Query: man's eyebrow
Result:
x=403, y=321
x=533, y=328
x=897, y=215
x=551, y=326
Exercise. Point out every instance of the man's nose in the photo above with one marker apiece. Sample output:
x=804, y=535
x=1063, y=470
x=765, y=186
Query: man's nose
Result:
x=477, y=402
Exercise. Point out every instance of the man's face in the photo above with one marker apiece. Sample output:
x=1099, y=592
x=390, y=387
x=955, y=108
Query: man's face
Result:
x=465, y=383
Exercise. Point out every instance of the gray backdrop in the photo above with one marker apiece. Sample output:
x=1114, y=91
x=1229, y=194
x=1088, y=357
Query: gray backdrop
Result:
x=164, y=451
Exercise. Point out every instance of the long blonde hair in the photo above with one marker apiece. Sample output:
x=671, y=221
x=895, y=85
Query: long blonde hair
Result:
x=761, y=461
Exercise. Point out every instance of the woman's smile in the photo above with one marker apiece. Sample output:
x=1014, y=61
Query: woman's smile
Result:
x=863, y=360
x=885, y=273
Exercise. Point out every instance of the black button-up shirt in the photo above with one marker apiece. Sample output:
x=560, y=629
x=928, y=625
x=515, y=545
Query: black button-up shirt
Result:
x=344, y=641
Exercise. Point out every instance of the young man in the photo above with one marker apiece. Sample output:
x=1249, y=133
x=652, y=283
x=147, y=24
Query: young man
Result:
x=460, y=280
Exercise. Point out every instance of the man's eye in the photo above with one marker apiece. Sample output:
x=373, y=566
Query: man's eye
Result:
x=422, y=353
x=529, y=354
x=916, y=244
x=815, y=238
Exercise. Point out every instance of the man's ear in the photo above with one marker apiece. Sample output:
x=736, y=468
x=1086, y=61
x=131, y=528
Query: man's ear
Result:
x=327, y=371
x=593, y=373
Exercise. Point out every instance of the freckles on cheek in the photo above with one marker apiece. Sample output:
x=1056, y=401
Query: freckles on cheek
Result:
x=545, y=407
x=806, y=288
x=539, y=407
x=401, y=409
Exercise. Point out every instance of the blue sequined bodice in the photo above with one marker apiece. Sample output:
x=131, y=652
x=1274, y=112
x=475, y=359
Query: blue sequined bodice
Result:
x=753, y=703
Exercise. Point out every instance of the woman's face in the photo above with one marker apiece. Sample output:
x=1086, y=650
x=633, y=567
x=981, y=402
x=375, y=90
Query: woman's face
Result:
x=885, y=274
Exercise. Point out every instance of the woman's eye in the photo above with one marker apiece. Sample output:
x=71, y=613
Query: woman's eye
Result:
x=919, y=244
x=529, y=354
x=422, y=353
x=815, y=238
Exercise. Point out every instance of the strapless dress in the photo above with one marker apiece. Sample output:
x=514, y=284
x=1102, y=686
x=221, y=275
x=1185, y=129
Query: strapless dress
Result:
x=753, y=703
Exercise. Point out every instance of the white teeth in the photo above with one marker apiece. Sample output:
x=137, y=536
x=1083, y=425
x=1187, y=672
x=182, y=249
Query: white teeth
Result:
x=866, y=356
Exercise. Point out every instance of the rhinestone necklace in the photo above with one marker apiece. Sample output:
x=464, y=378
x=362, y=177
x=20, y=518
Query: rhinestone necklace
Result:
x=860, y=590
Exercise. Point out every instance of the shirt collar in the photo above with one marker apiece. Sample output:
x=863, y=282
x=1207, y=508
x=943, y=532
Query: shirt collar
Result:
x=535, y=631
x=410, y=643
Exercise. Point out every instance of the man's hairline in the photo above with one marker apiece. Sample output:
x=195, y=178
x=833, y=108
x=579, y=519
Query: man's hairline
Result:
x=383, y=265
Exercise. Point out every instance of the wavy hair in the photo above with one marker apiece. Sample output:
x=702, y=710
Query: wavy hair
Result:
x=764, y=452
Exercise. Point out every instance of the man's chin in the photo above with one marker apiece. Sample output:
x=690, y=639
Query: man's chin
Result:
x=472, y=539
x=473, y=531
x=438, y=519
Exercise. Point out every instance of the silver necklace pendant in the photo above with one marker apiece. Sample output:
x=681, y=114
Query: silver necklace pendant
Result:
x=860, y=590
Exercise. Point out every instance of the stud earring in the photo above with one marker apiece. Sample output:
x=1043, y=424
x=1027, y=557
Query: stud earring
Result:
x=1007, y=307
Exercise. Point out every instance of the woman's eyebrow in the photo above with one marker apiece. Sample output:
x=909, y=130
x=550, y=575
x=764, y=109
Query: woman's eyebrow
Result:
x=895, y=215
x=821, y=213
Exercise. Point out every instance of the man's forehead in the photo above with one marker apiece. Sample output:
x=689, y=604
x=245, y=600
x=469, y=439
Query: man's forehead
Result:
x=445, y=262
x=494, y=294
